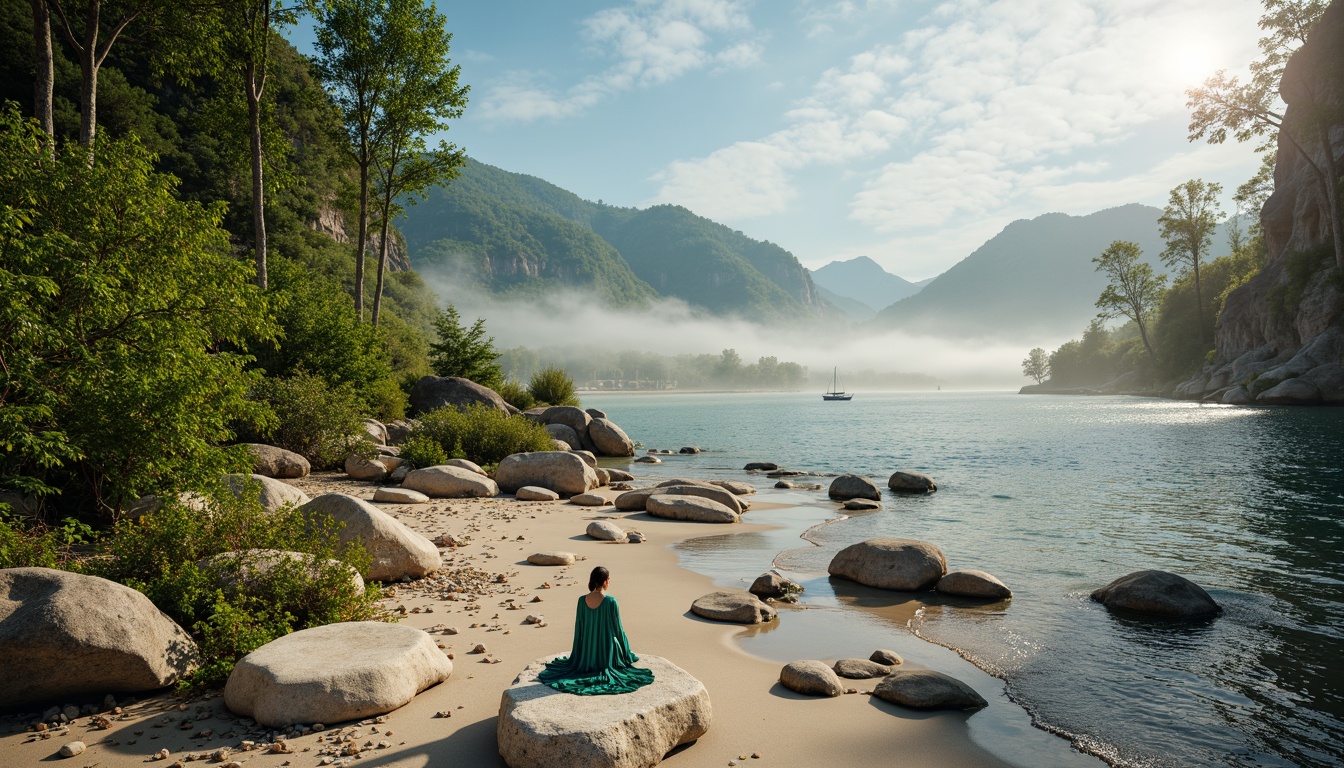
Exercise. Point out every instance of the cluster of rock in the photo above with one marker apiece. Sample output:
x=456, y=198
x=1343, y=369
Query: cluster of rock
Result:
x=691, y=500
x=581, y=430
x=910, y=565
x=540, y=727
x=913, y=688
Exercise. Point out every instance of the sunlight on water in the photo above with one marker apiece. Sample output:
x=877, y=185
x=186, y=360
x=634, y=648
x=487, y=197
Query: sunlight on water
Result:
x=1058, y=496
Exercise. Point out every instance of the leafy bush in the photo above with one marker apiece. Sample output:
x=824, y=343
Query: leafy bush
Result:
x=480, y=433
x=516, y=394
x=231, y=607
x=312, y=418
x=421, y=450
x=552, y=386
x=121, y=307
x=32, y=544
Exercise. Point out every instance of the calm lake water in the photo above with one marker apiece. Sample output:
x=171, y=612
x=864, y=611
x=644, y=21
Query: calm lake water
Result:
x=1057, y=496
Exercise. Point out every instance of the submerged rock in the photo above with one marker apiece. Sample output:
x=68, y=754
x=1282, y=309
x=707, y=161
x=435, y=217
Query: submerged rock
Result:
x=1159, y=593
x=846, y=487
x=540, y=727
x=973, y=584
x=911, y=482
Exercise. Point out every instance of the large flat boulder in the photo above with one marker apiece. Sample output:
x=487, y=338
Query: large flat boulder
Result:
x=634, y=501
x=734, y=607
x=560, y=471
x=335, y=673
x=609, y=439
x=911, y=482
x=66, y=634
x=907, y=565
x=1158, y=593
x=812, y=678
x=449, y=482
x=977, y=584
x=273, y=494
x=705, y=491
x=432, y=392
x=690, y=508
x=540, y=727
x=397, y=551
x=270, y=461
x=926, y=689
x=846, y=487
x=552, y=558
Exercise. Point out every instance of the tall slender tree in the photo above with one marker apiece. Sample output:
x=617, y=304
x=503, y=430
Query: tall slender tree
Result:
x=1133, y=291
x=1187, y=225
x=422, y=95
x=355, y=71
x=44, y=68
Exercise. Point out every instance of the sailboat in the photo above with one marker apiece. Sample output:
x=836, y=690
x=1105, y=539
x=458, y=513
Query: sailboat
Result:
x=835, y=392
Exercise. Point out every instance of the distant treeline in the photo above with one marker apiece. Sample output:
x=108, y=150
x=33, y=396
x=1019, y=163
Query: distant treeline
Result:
x=630, y=370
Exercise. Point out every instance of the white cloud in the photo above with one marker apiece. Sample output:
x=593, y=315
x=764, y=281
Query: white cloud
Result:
x=652, y=42
x=987, y=109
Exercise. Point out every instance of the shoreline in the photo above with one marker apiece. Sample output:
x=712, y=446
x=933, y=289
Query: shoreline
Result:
x=752, y=712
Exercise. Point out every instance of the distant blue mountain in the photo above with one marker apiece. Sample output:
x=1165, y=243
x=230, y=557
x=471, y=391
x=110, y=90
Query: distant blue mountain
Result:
x=864, y=281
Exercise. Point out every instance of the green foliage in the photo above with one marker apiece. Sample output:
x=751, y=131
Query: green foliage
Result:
x=421, y=450
x=482, y=434
x=122, y=306
x=1133, y=290
x=1180, y=345
x=516, y=394
x=464, y=352
x=239, y=602
x=1100, y=356
x=552, y=386
x=312, y=418
x=29, y=543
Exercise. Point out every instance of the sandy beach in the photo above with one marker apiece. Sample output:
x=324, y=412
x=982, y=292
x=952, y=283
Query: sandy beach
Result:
x=454, y=723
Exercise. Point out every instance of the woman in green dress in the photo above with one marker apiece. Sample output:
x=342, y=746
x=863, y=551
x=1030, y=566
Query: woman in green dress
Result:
x=601, y=661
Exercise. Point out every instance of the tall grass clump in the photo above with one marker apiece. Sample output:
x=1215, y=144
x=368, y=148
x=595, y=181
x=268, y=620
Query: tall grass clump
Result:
x=236, y=603
x=552, y=386
x=480, y=433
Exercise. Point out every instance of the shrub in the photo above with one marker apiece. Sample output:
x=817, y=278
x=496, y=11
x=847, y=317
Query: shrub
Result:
x=31, y=544
x=385, y=401
x=462, y=351
x=481, y=433
x=421, y=450
x=122, y=305
x=552, y=386
x=319, y=422
x=516, y=394
x=166, y=555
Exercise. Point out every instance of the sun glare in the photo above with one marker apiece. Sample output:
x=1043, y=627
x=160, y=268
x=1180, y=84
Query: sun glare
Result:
x=1191, y=64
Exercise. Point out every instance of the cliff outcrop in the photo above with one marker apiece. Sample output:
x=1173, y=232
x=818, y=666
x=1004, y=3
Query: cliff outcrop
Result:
x=1279, y=338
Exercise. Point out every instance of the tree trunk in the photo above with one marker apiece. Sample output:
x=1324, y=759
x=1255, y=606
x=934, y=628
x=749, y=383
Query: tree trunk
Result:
x=258, y=181
x=382, y=264
x=1152, y=356
x=1199, y=305
x=45, y=79
x=360, y=242
x=88, y=86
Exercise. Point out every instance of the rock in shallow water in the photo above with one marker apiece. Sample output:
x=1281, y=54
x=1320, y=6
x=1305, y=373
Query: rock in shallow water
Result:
x=772, y=584
x=976, y=584
x=735, y=607
x=846, y=487
x=861, y=669
x=926, y=689
x=911, y=482
x=889, y=658
x=1158, y=593
x=901, y=564
x=540, y=727
x=692, y=508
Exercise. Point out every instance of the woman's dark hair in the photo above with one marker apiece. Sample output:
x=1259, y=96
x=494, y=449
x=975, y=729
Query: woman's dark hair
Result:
x=598, y=578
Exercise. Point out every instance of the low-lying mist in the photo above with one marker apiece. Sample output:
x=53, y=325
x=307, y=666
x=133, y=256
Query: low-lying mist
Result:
x=559, y=325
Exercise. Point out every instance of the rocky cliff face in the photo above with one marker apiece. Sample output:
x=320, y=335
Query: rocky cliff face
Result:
x=1279, y=338
x=331, y=222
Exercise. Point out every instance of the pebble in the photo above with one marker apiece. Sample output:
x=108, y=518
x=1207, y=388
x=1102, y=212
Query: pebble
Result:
x=72, y=749
x=161, y=755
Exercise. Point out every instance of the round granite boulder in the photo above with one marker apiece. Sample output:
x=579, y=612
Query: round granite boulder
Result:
x=887, y=658
x=1158, y=593
x=706, y=491
x=911, y=482
x=690, y=508
x=772, y=584
x=588, y=500
x=609, y=439
x=566, y=435
x=65, y=634
x=271, y=461
x=605, y=530
x=397, y=552
x=273, y=494
x=335, y=673
x=926, y=689
x=846, y=487
x=446, y=482
x=906, y=565
x=560, y=471
x=977, y=584
x=734, y=607
x=540, y=727
x=812, y=678
x=636, y=500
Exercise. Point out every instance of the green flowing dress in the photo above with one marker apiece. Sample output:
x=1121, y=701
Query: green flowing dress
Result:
x=601, y=661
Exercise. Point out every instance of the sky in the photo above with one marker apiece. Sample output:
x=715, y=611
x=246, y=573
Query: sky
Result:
x=909, y=132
